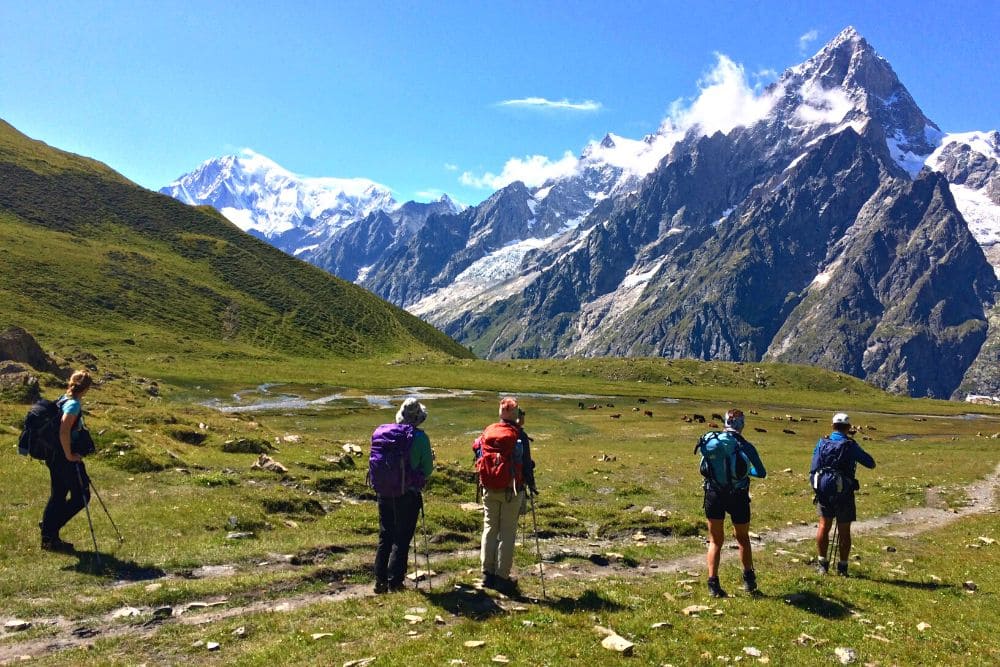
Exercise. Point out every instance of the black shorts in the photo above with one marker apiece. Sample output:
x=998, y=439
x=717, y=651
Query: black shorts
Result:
x=845, y=510
x=720, y=500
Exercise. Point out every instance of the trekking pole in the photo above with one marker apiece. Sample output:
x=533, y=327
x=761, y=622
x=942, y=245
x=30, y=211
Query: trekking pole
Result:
x=86, y=506
x=427, y=546
x=101, y=500
x=538, y=547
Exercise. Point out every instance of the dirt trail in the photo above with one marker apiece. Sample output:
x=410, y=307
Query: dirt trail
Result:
x=63, y=633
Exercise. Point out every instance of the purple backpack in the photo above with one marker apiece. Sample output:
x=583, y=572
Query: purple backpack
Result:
x=389, y=470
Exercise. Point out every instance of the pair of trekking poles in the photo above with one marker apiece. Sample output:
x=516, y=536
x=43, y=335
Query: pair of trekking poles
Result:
x=90, y=522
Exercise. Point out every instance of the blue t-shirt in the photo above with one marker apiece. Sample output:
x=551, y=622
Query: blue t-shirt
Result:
x=72, y=407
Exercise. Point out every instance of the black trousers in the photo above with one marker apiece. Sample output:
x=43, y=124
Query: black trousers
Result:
x=64, y=480
x=397, y=521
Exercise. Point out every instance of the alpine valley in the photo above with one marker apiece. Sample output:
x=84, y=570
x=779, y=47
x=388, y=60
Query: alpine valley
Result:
x=836, y=226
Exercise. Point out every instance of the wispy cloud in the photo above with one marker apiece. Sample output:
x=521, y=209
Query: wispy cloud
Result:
x=448, y=166
x=532, y=170
x=542, y=103
x=725, y=100
x=806, y=40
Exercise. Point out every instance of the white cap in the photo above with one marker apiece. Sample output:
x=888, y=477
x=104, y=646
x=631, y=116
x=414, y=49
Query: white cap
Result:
x=841, y=418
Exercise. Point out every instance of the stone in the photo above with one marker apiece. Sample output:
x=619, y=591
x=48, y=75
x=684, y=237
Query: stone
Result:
x=321, y=635
x=661, y=624
x=988, y=541
x=16, y=625
x=240, y=631
x=413, y=619
x=352, y=449
x=153, y=587
x=752, y=651
x=969, y=586
x=125, y=612
x=421, y=575
x=891, y=549
x=239, y=535
x=213, y=646
x=360, y=662
x=501, y=659
x=265, y=462
x=923, y=627
x=694, y=609
x=163, y=612
x=618, y=643
x=474, y=643
x=845, y=655
x=471, y=507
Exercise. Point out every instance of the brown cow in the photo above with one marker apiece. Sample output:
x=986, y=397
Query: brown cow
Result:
x=648, y=413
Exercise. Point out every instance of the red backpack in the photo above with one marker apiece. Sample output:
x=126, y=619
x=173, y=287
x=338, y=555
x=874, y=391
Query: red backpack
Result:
x=499, y=465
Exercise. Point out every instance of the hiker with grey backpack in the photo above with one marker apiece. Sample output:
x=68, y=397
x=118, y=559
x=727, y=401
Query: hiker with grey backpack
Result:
x=728, y=461
x=401, y=460
x=832, y=476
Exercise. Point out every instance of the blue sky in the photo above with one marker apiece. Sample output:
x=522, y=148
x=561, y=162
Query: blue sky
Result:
x=412, y=94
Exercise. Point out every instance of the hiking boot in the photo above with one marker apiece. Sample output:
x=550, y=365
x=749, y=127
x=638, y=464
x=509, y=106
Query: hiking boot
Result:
x=489, y=580
x=842, y=568
x=715, y=588
x=505, y=586
x=55, y=544
x=396, y=586
x=750, y=581
x=823, y=566
x=381, y=587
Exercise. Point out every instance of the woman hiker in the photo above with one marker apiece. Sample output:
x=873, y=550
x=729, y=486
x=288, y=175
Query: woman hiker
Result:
x=67, y=473
x=400, y=463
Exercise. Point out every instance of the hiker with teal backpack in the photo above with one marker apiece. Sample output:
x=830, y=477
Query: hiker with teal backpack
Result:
x=832, y=476
x=728, y=460
x=401, y=461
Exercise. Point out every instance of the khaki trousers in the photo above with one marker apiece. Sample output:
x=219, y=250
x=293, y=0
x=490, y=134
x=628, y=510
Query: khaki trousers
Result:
x=499, y=530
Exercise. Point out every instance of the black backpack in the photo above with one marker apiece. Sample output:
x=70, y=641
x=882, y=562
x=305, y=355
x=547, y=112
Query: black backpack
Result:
x=40, y=436
x=831, y=478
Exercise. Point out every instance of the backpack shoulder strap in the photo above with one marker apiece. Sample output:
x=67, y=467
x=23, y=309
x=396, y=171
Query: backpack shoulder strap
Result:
x=703, y=440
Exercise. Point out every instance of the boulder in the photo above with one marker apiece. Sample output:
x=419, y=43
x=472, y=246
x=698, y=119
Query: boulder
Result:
x=16, y=344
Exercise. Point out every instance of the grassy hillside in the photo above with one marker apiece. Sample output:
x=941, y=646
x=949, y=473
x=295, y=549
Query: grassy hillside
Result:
x=86, y=251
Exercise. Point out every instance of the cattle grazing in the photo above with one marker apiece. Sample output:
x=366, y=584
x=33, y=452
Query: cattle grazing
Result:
x=788, y=431
x=635, y=409
x=648, y=413
x=716, y=416
x=610, y=405
x=760, y=430
x=643, y=400
x=616, y=416
x=581, y=405
x=698, y=418
x=593, y=407
x=713, y=425
x=753, y=412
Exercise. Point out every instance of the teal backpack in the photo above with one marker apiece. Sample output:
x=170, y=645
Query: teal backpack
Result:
x=722, y=459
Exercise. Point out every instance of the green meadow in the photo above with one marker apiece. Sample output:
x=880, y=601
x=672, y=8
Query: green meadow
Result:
x=618, y=517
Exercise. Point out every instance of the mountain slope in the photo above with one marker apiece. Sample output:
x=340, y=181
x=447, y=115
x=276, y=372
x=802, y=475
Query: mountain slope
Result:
x=85, y=248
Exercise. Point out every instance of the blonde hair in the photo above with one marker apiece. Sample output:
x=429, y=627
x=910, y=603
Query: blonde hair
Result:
x=79, y=381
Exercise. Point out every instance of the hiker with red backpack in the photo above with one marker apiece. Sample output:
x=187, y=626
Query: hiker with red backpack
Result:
x=401, y=461
x=832, y=476
x=505, y=472
x=728, y=460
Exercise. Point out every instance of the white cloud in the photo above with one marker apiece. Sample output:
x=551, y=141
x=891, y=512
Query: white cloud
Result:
x=542, y=103
x=823, y=105
x=807, y=39
x=532, y=170
x=448, y=166
x=725, y=101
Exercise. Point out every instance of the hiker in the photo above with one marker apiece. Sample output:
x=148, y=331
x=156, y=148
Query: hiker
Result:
x=505, y=472
x=832, y=474
x=728, y=461
x=67, y=473
x=400, y=463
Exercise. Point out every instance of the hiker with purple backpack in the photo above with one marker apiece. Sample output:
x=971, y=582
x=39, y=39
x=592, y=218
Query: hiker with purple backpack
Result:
x=400, y=463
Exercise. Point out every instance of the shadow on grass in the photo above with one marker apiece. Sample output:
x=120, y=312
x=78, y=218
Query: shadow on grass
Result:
x=828, y=608
x=107, y=565
x=479, y=605
x=904, y=583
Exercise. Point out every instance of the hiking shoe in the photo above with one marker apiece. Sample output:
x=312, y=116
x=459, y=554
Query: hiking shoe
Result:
x=505, y=586
x=842, y=568
x=396, y=586
x=715, y=588
x=381, y=587
x=823, y=566
x=750, y=581
x=489, y=580
x=55, y=544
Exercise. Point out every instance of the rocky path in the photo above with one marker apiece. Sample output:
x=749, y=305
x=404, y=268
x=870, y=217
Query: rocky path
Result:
x=62, y=633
